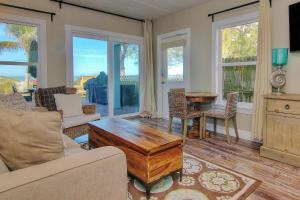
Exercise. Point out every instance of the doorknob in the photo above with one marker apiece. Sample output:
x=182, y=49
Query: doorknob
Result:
x=162, y=82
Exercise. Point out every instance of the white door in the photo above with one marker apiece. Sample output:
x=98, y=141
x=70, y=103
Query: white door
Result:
x=174, y=68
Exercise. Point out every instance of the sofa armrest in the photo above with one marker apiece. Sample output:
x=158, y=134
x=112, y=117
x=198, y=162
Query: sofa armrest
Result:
x=89, y=109
x=96, y=174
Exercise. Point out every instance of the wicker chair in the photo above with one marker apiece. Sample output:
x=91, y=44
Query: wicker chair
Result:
x=72, y=126
x=178, y=108
x=229, y=113
x=177, y=90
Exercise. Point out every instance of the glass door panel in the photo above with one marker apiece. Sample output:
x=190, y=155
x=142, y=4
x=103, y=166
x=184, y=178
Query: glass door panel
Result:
x=175, y=64
x=174, y=68
x=90, y=71
x=126, y=64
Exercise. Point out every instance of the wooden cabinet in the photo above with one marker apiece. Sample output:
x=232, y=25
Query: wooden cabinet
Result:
x=282, y=128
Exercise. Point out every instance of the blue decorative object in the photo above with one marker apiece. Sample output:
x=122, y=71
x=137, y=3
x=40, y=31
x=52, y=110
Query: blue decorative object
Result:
x=279, y=59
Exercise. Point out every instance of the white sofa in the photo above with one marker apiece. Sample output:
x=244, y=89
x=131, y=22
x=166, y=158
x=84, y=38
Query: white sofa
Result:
x=98, y=174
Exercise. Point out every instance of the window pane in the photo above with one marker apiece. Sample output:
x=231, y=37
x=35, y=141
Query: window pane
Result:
x=19, y=78
x=239, y=43
x=126, y=78
x=175, y=63
x=18, y=43
x=240, y=79
x=90, y=71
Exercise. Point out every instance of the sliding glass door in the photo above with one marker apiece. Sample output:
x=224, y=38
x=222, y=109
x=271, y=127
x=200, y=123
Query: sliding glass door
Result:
x=106, y=73
x=90, y=71
x=126, y=64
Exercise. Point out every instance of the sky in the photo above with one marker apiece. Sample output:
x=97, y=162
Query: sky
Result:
x=89, y=57
x=18, y=55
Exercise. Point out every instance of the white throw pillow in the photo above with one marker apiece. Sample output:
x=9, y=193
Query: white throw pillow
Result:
x=70, y=104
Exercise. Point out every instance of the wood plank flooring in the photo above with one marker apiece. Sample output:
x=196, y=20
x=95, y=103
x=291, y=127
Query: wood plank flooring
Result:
x=279, y=181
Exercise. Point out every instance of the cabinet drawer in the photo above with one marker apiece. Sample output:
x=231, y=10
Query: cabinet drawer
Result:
x=283, y=106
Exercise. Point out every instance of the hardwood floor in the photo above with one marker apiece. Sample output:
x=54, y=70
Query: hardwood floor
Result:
x=279, y=181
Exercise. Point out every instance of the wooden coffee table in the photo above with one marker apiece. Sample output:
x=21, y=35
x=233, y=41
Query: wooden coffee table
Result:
x=151, y=154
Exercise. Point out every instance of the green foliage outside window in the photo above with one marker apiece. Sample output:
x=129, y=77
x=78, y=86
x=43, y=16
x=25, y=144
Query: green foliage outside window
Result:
x=239, y=45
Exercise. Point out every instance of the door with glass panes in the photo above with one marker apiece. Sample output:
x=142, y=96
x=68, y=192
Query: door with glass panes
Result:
x=174, y=67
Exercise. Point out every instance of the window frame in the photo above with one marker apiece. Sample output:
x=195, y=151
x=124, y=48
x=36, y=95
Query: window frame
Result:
x=42, y=45
x=217, y=62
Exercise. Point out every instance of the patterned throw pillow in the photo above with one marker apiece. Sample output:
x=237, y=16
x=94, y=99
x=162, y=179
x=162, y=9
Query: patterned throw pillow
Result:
x=46, y=96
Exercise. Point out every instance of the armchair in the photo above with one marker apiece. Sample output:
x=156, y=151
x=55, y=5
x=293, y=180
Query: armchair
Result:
x=74, y=126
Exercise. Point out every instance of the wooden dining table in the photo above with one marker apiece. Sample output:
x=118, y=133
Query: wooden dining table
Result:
x=201, y=101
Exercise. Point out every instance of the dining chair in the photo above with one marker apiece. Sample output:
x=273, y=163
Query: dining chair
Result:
x=177, y=90
x=178, y=108
x=229, y=113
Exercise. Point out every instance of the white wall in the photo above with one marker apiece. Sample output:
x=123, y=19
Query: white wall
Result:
x=280, y=38
x=56, y=30
x=201, y=30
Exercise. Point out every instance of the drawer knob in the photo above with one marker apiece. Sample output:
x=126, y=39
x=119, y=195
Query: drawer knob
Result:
x=287, y=107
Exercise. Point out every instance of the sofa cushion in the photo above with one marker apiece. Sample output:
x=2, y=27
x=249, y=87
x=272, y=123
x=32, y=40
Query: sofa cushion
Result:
x=70, y=104
x=71, y=151
x=3, y=167
x=69, y=122
x=46, y=96
x=29, y=138
x=69, y=143
x=71, y=147
x=14, y=101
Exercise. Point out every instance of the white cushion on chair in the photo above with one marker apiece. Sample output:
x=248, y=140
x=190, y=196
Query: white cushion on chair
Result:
x=70, y=104
x=69, y=122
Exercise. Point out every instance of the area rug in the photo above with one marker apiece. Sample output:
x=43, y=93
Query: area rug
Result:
x=201, y=180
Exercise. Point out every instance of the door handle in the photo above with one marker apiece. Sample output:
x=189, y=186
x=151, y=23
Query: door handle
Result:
x=162, y=82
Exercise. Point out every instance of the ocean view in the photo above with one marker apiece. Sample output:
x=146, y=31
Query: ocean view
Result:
x=18, y=78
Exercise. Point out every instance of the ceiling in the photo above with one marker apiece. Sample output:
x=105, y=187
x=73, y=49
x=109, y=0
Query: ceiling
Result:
x=142, y=9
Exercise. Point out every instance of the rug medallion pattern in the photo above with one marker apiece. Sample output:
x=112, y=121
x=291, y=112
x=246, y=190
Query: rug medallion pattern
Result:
x=201, y=180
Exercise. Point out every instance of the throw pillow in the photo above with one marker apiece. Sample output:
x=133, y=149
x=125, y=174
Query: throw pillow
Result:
x=70, y=104
x=29, y=138
x=46, y=96
x=14, y=101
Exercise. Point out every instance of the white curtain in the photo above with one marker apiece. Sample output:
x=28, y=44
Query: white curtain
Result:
x=263, y=69
x=148, y=102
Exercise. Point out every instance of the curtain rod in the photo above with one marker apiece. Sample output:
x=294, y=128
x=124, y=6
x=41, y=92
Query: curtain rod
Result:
x=212, y=15
x=96, y=10
x=52, y=14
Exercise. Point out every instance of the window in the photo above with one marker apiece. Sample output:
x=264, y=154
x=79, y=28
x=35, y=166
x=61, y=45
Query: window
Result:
x=236, y=57
x=175, y=63
x=20, y=55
